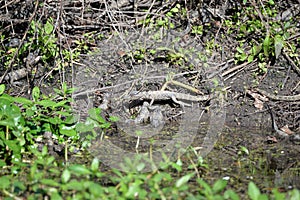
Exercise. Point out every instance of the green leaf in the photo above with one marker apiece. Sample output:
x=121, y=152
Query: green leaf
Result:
x=140, y=166
x=64, y=88
x=206, y=188
x=114, y=118
x=74, y=185
x=294, y=194
x=48, y=27
x=55, y=195
x=230, y=194
x=2, y=88
x=4, y=182
x=50, y=182
x=266, y=45
x=245, y=150
x=240, y=50
x=68, y=131
x=14, y=146
x=55, y=120
x=66, y=175
x=243, y=57
x=278, y=195
x=219, y=186
x=253, y=191
x=174, y=10
x=2, y=162
x=95, y=165
x=23, y=100
x=61, y=103
x=250, y=58
x=255, y=49
x=183, y=180
x=160, y=22
x=47, y=103
x=35, y=93
x=19, y=185
x=79, y=170
x=96, y=189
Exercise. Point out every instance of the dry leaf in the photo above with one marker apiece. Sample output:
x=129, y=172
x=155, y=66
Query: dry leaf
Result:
x=256, y=95
x=258, y=99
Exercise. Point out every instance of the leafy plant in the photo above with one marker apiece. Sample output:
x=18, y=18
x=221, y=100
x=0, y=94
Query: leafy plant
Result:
x=266, y=38
x=42, y=40
x=24, y=120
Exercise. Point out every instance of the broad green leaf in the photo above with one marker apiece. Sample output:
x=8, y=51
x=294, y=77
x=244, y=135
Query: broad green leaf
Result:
x=253, y=191
x=278, y=195
x=79, y=170
x=2, y=162
x=230, y=194
x=67, y=131
x=35, y=93
x=9, y=123
x=140, y=166
x=2, y=88
x=95, y=165
x=50, y=182
x=160, y=22
x=133, y=189
x=183, y=180
x=54, y=120
x=295, y=194
x=174, y=10
x=250, y=58
x=50, y=160
x=14, y=146
x=82, y=128
x=206, y=188
x=74, y=185
x=219, y=186
x=19, y=185
x=4, y=182
x=23, y=100
x=61, y=103
x=47, y=103
x=55, y=195
x=96, y=189
x=48, y=27
x=243, y=57
x=5, y=102
x=66, y=175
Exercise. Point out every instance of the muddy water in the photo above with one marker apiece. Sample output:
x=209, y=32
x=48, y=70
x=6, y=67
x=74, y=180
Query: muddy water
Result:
x=240, y=156
x=243, y=156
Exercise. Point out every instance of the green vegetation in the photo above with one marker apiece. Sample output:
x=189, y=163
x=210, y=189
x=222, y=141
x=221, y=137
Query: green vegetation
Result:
x=260, y=35
x=23, y=121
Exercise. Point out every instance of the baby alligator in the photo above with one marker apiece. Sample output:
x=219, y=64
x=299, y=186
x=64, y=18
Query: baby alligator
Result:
x=166, y=95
